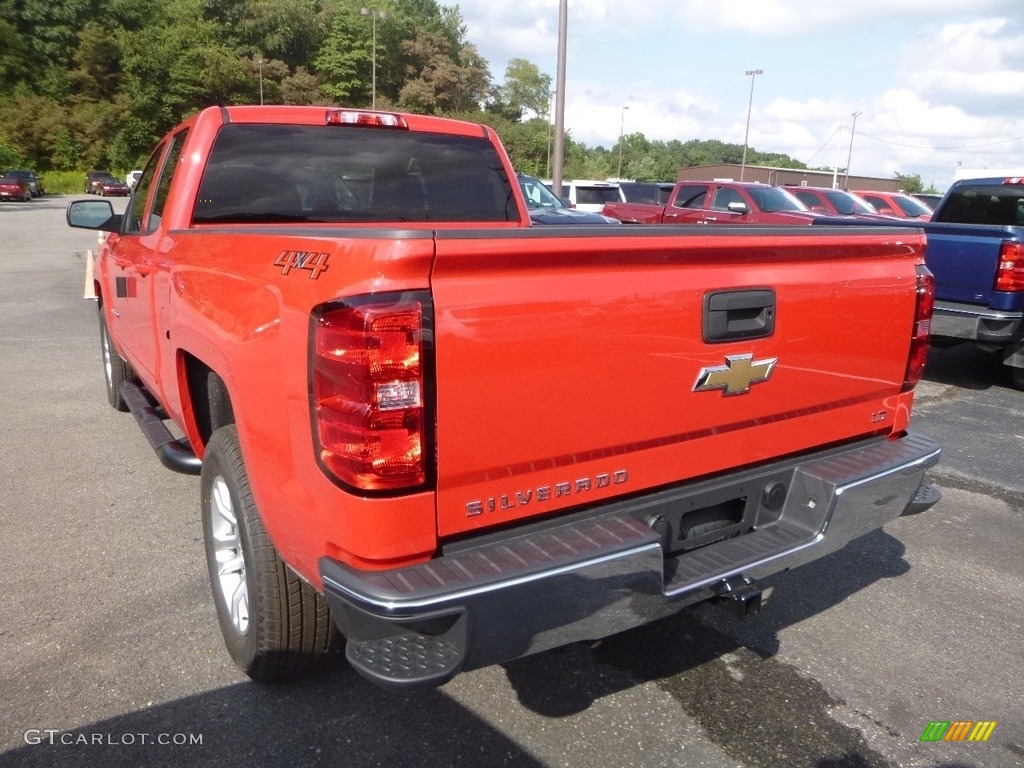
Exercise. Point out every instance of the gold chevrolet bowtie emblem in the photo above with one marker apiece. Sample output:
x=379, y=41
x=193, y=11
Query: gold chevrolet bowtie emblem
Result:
x=736, y=376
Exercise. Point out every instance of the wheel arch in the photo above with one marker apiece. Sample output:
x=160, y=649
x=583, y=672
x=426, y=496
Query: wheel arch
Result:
x=207, y=402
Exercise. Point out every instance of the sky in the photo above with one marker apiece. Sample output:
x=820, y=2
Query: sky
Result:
x=937, y=84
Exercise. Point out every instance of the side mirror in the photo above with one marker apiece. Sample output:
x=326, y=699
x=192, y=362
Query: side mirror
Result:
x=739, y=208
x=93, y=214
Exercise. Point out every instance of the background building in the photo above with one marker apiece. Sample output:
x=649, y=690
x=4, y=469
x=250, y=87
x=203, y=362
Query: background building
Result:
x=784, y=177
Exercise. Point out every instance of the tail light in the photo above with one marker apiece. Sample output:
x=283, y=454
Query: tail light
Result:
x=922, y=330
x=368, y=376
x=371, y=119
x=1010, y=272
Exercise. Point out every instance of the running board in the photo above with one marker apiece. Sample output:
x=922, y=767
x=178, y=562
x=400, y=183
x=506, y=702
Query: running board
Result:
x=173, y=453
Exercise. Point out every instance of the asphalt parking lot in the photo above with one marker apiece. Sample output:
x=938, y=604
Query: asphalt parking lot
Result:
x=110, y=652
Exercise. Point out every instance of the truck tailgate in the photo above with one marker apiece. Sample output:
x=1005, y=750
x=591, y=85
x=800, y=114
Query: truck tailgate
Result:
x=569, y=364
x=964, y=259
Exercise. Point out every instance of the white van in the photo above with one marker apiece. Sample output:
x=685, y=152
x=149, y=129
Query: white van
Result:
x=588, y=195
x=132, y=178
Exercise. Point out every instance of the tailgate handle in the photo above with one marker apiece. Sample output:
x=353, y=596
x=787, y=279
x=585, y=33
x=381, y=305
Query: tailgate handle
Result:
x=739, y=315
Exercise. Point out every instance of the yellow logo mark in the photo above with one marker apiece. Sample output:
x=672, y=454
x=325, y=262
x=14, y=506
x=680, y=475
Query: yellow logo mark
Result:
x=736, y=376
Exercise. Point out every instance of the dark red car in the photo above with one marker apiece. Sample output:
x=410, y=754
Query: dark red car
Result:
x=111, y=187
x=14, y=188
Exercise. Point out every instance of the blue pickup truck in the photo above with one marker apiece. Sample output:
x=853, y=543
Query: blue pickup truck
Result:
x=976, y=252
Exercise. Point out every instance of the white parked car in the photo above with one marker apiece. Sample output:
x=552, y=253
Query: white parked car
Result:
x=132, y=178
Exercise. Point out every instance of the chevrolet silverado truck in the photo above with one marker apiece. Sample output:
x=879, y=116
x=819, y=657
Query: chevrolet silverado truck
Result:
x=717, y=202
x=449, y=439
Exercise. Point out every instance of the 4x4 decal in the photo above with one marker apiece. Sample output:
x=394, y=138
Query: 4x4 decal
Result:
x=314, y=262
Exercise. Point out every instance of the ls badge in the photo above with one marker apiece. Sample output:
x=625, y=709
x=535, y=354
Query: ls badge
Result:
x=736, y=376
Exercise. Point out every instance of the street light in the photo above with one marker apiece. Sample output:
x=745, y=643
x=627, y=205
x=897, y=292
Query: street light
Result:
x=849, y=157
x=374, y=14
x=563, y=23
x=622, y=129
x=261, y=62
x=751, y=73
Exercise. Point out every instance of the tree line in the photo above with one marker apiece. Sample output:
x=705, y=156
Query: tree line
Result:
x=95, y=83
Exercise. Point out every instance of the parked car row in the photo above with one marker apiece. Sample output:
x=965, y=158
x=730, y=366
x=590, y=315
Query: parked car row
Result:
x=104, y=184
x=15, y=183
x=726, y=201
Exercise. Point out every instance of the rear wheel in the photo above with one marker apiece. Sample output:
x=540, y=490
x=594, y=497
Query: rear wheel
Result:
x=275, y=625
x=115, y=370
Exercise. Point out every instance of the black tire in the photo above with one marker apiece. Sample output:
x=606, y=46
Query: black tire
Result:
x=277, y=626
x=115, y=370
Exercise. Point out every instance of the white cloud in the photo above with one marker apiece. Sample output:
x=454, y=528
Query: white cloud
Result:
x=944, y=83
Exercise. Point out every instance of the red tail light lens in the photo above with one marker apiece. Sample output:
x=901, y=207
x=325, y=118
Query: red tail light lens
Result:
x=922, y=330
x=367, y=374
x=1010, y=271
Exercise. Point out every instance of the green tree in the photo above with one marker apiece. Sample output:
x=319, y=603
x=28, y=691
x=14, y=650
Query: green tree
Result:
x=909, y=183
x=300, y=88
x=525, y=89
x=438, y=83
x=343, y=64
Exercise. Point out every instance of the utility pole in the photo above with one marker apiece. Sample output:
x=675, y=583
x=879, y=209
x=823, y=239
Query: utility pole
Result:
x=849, y=157
x=556, y=174
x=374, y=14
x=751, y=73
x=622, y=131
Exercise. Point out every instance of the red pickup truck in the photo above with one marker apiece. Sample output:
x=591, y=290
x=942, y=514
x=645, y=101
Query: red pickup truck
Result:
x=458, y=439
x=717, y=202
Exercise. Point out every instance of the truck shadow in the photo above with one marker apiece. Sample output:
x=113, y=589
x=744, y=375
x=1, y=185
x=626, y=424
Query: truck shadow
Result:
x=722, y=670
x=966, y=366
x=548, y=683
x=332, y=719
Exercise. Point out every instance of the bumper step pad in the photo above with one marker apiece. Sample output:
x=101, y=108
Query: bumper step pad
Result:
x=405, y=659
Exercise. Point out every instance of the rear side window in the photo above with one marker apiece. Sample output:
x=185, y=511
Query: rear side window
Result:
x=292, y=173
x=998, y=205
x=597, y=195
x=691, y=196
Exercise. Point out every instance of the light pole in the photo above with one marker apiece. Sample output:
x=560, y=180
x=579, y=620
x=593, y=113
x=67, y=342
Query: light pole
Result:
x=374, y=14
x=261, y=63
x=751, y=73
x=556, y=172
x=849, y=156
x=622, y=130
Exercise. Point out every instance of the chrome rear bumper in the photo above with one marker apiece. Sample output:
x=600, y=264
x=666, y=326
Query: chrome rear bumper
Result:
x=605, y=570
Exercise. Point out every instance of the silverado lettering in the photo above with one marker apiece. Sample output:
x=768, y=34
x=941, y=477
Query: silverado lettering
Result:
x=375, y=475
x=546, y=493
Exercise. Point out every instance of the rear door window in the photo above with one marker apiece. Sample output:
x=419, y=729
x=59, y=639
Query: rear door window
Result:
x=691, y=196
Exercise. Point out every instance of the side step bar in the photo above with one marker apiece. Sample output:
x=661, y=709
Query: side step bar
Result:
x=173, y=453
